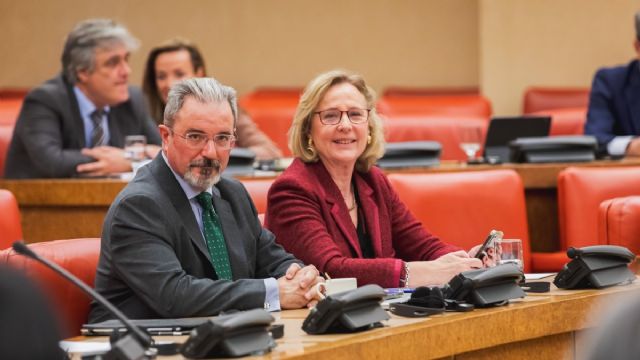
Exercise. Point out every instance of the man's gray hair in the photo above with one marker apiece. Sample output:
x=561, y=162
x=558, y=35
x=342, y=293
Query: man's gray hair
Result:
x=204, y=90
x=85, y=38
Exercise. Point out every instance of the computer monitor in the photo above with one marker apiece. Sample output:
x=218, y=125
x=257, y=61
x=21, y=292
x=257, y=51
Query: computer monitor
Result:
x=503, y=130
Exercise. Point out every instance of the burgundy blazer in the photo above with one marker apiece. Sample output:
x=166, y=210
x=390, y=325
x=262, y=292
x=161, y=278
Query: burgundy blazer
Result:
x=308, y=215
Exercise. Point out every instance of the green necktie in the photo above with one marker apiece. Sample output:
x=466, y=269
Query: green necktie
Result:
x=214, y=237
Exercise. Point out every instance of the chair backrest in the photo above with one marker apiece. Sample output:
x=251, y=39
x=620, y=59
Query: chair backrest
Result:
x=9, y=110
x=258, y=190
x=437, y=105
x=273, y=113
x=546, y=98
x=10, y=227
x=565, y=121
x=6, y=132
x=580, y=192
x=619, y=222
x=447, y=131
x=462, y=207
x=79, y=257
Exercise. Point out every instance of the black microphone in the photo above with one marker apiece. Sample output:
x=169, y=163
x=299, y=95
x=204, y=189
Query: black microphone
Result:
x=127, y=348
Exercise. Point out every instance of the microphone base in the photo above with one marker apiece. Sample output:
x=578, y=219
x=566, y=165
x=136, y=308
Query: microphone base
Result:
x=127, y=348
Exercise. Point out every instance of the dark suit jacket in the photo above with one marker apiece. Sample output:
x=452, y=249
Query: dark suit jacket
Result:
x=308, y=215
x=154, y=262
x=614, y=104
x=49, y=133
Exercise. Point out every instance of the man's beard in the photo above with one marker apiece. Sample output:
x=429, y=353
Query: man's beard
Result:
x=209, y=173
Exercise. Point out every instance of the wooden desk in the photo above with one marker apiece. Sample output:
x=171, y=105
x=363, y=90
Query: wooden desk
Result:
x=545, y=326
x=71, y=208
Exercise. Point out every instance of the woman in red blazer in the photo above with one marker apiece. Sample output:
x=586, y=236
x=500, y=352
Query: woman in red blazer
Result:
x=334, y=209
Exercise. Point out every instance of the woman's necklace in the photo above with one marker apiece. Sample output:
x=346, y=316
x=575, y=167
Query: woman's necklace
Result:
x=353, y=200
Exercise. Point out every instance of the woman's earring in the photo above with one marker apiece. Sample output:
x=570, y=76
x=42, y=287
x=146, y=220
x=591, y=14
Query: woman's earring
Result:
x=310, y=147
x=368, y=139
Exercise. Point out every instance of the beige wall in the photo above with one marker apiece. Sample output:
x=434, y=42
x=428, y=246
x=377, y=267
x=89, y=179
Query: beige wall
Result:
x=503, y=46
x=549, y=42
x=248, y=43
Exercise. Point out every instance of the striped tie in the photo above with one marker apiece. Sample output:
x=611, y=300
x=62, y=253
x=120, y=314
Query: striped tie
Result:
x=214, y=237
x=97, y=134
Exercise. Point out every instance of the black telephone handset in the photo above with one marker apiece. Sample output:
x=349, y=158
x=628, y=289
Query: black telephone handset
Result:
x=486, y=287
x=596, y=267
x=238, y=334
x=348, y=311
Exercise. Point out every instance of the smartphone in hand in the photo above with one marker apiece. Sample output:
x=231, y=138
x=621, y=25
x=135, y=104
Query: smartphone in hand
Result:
x=494, y=235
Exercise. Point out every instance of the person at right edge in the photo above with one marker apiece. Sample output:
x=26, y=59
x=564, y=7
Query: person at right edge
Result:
x=614, y=106
x=332, y=208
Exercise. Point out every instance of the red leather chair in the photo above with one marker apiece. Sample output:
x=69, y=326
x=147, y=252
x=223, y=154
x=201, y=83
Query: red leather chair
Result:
x=580, y=192
x=6, y=132
x=619, y=222
x=461, y=208
x=78, y=256
x=566, y=121
x=258, y=189
x=10, y=228
x=273, y=112
x=448, y=132
x=9, y=110
x=437, y=105
x=548, y=98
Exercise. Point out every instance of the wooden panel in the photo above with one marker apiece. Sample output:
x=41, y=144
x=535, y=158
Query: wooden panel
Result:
x=69, y=208
x=536, y=327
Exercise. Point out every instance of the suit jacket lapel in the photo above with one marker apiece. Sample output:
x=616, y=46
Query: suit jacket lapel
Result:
x=632, y=93
x=170, y=186
x=370, y=210
x=77, y=125
x=115, y=133
x=237, y=256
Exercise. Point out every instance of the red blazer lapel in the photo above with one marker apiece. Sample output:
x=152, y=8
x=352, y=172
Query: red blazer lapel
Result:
x=338, y=209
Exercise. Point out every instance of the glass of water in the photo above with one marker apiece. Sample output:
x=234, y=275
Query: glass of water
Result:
x=134, y=147
x=509, y=251
x=470, y=141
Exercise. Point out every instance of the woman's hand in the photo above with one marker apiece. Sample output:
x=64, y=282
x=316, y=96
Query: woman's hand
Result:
x=438, y=272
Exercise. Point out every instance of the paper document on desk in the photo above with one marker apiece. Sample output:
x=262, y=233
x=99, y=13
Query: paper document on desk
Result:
x=537, y=276
x=83, y=347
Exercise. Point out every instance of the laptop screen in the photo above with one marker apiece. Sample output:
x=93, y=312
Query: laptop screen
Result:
x=506, y=129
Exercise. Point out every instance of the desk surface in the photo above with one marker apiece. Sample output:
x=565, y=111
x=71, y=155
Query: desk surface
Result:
x=71, y=208
x=536, y=327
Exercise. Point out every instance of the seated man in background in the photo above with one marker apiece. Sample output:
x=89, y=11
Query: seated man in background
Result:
x=177, y=60
x=179, y=240
x=75, y=124
x=614, y=106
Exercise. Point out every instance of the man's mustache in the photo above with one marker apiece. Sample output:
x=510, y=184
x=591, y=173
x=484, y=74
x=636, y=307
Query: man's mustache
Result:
x=205, y=163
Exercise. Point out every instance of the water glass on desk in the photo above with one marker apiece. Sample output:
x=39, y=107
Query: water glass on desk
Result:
x=135, y=150
x=509, y=251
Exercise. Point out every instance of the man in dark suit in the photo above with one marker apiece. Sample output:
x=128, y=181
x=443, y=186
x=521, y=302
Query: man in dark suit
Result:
x=166, y=252
x=614, y=106
x=75, y=124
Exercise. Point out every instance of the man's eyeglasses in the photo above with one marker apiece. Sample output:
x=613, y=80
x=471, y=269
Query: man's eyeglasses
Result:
x=197, y=141
x=333, y=116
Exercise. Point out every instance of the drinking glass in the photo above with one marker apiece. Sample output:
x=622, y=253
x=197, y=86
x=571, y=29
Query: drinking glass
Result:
x=134, y=147
x=509, y=251
x=470, y=141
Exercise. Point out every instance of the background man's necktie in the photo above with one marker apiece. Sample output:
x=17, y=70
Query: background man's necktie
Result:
x=214, y=237
x=97, y=135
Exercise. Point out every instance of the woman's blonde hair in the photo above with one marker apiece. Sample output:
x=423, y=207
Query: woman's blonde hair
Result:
x=314, y=93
